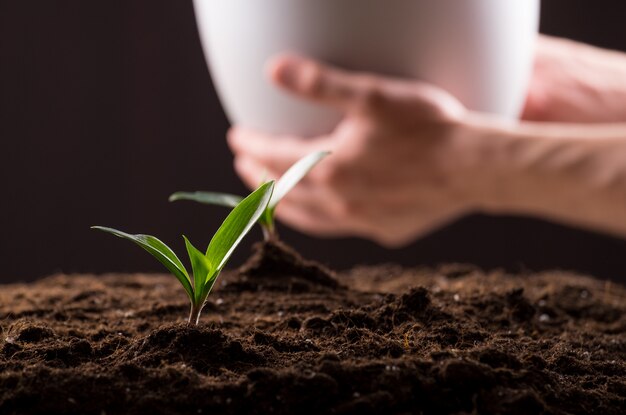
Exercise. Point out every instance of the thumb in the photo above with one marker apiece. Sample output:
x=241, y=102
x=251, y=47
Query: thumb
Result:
x=361, y=92
x=318, y=82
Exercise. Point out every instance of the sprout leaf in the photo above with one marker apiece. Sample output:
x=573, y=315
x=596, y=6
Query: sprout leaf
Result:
x=201, y=269
x=160, y=251
x=237, y=225
x=208, y=198
x=294, y=175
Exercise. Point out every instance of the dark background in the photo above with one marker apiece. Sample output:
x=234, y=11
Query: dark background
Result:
x=106, y=107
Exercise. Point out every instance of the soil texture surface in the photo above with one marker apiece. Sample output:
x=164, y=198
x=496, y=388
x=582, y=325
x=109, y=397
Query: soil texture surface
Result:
x=272, y=339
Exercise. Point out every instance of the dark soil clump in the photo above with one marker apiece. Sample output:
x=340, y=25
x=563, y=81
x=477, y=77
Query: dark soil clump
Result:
x=387, y=340
x=275, y=266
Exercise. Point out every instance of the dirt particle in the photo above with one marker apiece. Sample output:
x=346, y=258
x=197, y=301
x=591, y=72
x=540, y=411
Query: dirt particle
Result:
x=317, y=325
x=416, y=301
x=471, y=375
x=30, y=333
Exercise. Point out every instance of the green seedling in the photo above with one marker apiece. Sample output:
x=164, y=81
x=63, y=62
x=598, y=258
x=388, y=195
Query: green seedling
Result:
x=206, y=267
x=283, y=186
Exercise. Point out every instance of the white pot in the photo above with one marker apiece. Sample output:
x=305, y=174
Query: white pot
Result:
x=479, y=50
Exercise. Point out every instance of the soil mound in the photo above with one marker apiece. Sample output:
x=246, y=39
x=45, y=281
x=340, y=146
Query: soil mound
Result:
x=275, y=266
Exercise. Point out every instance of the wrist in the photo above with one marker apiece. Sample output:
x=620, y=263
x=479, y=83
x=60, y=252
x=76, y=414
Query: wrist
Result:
x=570, y=173
x=484, y=148
x=549, y=170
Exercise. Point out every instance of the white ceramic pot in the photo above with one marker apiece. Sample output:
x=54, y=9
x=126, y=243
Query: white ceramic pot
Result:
x=479, y=50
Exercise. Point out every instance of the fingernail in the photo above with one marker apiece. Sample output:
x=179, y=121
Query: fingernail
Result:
x=230, y=134
x=287, y=72
x=232, y=137
x=241, y=165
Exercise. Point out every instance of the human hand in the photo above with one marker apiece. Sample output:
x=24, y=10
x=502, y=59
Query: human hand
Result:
x=402, y=161
x=575, y=82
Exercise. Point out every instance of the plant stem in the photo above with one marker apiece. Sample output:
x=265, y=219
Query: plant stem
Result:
x=194, y=314
x=269, y=233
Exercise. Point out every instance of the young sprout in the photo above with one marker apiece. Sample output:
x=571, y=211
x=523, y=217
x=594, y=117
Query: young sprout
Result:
x=283, y=186
x=206, y=267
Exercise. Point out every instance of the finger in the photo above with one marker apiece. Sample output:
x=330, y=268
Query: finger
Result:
x=309, y=220
x=342, y=217
x=324, y=200
x=360, y=92
x=251, y=172
x=319, y=82
x=276, y=153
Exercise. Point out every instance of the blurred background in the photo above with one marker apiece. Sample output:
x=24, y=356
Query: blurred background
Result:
x=106, y=107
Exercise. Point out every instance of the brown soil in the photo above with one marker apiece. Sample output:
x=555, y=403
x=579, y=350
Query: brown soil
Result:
x=458, y=341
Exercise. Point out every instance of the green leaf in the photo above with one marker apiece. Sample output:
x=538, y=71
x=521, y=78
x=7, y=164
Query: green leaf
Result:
x=267, y=218
x=210, y=282
x=208, y=198
x=237, y=225
x=160, y=251
x=294, y=175
x=201, y=269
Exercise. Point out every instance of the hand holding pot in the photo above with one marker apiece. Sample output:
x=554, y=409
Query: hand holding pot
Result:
x=408, y=157
x=399, y=165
